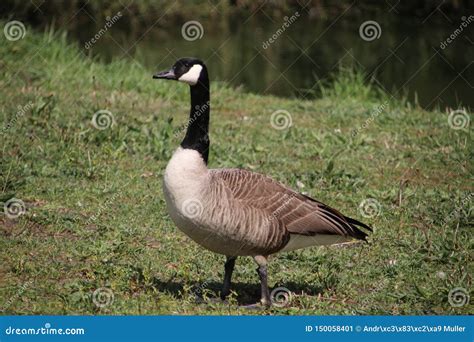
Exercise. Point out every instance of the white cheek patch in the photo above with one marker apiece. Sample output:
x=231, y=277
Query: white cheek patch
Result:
x=192, y=76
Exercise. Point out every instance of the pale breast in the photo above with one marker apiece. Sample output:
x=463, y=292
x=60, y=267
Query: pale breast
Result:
x=185, y=185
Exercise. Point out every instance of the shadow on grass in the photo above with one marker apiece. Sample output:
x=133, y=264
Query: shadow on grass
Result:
x=247, y=293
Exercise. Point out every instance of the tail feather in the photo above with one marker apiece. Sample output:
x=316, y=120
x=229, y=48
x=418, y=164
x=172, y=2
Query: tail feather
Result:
x=345, y=221
x=354, y=223
x=357, y=223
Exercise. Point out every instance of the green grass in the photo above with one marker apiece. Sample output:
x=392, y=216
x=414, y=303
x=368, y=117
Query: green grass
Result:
x=96, y=215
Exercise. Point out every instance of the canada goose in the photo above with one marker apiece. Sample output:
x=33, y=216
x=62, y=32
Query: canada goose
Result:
x=237, y=212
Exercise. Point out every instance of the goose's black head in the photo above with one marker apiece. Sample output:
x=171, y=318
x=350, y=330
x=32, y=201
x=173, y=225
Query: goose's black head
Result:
x=188, y=70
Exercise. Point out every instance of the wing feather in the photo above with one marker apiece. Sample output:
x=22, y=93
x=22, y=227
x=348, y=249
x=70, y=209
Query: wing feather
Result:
x=299, y=214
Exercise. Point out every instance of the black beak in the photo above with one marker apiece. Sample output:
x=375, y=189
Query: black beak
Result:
x=167, y=75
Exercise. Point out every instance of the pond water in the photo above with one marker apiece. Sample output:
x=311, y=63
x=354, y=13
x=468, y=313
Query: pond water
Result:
x=409, y=58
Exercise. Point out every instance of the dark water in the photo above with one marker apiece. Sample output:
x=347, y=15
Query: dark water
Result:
x=406, y=60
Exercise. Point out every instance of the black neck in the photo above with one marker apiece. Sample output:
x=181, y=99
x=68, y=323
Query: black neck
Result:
x=197, y=134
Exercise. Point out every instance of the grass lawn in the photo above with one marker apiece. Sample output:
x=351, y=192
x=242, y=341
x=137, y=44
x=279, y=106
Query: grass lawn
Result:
x=96, y=222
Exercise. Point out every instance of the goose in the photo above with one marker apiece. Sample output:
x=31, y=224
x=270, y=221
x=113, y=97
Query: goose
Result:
x=236, y=212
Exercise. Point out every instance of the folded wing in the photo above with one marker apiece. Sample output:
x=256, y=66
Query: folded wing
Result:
x=299, y=214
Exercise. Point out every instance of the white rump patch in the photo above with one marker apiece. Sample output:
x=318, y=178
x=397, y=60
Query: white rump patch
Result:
x=192, y=76
x=302, y=241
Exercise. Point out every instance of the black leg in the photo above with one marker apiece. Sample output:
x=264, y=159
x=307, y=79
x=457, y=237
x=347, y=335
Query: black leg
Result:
x=228, y=268
x=262, y=274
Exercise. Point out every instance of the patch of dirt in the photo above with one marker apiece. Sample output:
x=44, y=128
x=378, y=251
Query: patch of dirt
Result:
x=14, y=228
